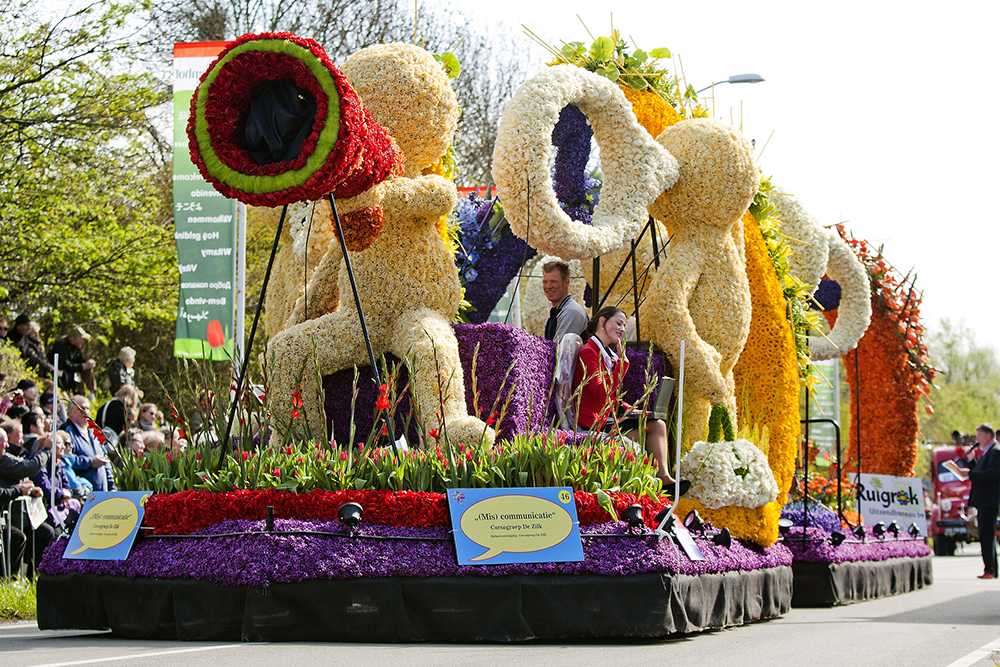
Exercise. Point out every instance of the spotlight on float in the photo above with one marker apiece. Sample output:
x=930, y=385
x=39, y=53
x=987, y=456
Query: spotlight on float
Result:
x=350, y=514
x=693, y=521
x=723, y=538
x=837, y=538
x=859, y=532
x=784, y=525
x=893, y=528
x=878, y=530
x=913, y=530
x=632, y=515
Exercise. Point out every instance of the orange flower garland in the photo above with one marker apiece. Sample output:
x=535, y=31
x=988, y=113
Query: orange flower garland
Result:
x=767, y=374
x=895, y=372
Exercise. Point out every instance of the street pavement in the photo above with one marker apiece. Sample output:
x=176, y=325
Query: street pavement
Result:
x=954, y=623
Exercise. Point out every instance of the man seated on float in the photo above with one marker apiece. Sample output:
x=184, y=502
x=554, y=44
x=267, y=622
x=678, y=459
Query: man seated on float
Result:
x=597, y=381
x=566, y=315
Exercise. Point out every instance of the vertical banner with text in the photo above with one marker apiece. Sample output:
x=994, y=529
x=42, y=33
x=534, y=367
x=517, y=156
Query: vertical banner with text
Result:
x=204, y=228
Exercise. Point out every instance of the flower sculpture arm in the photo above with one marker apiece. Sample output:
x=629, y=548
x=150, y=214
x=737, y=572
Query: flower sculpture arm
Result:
x=855, y=312
x=636, y=168
x=673, y=322
x=425, y=197
x=816, y=252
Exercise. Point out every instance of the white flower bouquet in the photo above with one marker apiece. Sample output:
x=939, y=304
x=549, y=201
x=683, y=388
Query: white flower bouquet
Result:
x=728, y=473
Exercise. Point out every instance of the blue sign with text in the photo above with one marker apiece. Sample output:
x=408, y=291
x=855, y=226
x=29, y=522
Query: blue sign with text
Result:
x=526, y=525
x=107, y=525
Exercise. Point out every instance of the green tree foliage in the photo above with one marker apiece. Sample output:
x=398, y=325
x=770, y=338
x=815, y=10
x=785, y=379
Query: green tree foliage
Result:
x=967, y=388
x=84, y=183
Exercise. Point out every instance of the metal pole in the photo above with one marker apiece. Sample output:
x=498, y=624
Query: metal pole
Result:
x=389, y=420
x=55, y=427
x=595, y=289
x=239, y=327
x=805, y=473
x=680, y=430
x=635, y=294
x=857, y=423
x=652, y=234
x=253, y=332
x=836, y=428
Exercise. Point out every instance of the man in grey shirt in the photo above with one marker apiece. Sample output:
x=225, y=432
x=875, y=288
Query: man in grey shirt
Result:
x=566, y=315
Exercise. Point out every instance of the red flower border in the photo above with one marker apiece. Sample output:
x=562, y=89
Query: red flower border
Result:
x=190, y=511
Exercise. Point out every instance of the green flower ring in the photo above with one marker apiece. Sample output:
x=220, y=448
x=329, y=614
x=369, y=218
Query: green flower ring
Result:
x=343, y=151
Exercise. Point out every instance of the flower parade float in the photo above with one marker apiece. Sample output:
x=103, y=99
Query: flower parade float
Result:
x=299, y=536
x=874, y=318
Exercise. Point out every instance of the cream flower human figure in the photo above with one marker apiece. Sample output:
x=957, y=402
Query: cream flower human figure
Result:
x=407, y=276
x=700, y=293
x=817, y=252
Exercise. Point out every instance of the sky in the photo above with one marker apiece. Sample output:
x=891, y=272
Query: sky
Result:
x=879, y=114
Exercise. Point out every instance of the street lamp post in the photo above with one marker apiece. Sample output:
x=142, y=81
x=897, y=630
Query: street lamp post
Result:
x=736, y=78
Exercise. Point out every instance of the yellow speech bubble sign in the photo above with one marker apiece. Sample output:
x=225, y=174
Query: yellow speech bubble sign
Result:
x=106, y=524
x=515, y=523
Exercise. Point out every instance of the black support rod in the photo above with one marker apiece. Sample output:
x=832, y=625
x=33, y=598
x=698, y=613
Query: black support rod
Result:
x=245, y=362
x=389, y=419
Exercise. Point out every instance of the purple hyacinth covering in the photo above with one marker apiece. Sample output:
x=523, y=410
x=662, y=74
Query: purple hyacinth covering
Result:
x=489, y=254
x=500, y=346
x=571, y=137
x=827, y=295
x=530, y=409
x=820, y=516
x=816, y=548
x=635, y=380
x=260, y=559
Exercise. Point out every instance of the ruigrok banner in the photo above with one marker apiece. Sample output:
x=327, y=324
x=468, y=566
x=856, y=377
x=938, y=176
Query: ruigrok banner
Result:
x=886, y=498
x=204, y=229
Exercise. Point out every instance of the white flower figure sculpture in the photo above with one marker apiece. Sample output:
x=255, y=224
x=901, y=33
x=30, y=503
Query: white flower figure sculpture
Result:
x=817, y=252
x=636, y=168
x=406, y=273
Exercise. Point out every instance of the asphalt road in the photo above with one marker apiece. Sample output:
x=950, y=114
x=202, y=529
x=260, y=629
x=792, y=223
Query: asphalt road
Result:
x=956, y=622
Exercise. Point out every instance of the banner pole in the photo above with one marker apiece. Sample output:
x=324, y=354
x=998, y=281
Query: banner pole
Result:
x=239, y=327
x=55, y=427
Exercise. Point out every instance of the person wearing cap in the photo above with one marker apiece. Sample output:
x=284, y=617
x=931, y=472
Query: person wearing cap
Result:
x=90, y=457
x=121, y=371
x=75, y=372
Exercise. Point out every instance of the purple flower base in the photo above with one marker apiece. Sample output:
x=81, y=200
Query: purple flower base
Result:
x=500, y=346
x=530, y=409
x=259, y=559
x=816, y=548
x=820, y=516
x=571, y=137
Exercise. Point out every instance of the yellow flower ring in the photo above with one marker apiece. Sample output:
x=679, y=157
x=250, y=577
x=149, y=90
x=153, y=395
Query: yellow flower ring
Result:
x=320, y=140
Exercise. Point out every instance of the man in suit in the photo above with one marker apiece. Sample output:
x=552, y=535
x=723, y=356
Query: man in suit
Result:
x=985, y=495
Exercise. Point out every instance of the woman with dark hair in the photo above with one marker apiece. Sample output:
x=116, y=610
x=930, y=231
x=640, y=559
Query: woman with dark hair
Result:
x=598, y=376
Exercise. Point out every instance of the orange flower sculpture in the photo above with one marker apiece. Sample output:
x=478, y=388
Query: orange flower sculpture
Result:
x=894, y=369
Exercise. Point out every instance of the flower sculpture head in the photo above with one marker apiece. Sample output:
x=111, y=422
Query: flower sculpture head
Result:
x=636, y=168
x=423, y=126
x=273, y=122
x=717, y=180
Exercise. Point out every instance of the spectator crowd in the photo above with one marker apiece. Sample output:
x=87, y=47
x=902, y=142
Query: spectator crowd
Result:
x=55, y=470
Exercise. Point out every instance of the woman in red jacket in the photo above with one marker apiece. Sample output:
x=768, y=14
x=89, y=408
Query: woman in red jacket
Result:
x=600, y=369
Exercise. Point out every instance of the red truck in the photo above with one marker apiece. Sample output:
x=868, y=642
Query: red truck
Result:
x=949, y=523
